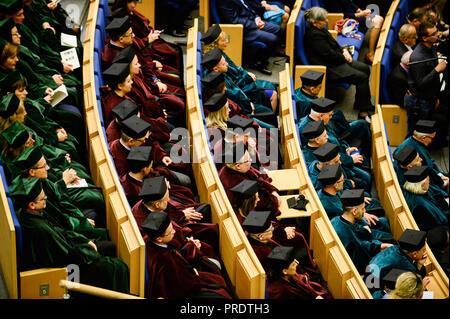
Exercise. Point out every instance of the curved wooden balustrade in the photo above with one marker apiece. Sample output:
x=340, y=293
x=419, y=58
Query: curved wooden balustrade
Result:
x=243, y=267
x=337, y=269
x=394, y=204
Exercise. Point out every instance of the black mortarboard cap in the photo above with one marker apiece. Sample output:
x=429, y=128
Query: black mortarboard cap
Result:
x=135, y=127
x=390, y=279
x=437, y=237
x=412, y=240
x=5, y=28
x=416, y=174
x=11, y=6
x=313, y=129
x=406, y=155
x=24, y=190
x=322, y=105
x=239, y=122
x=312, y=78
x=281, y=257
x=16, y=134
x=245, y=189
x=326, y=152
x=156, y=224
x=330, y=174
x=116, y=73
x=125, y=55
x=425, y=126
x=118, y=13
x=153, y=189
x=28, y=158
x=124, y=110
x=211, y=34
x=118, y=26
x=212, y=79
x=215, y=102
x=352, y=197
x=139, y=157
x=9, y=105
x=257, y=222
x=211, y=58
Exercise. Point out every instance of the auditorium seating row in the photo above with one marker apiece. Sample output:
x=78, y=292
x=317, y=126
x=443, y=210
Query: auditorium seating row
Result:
x=393, y=201
x=50, y=283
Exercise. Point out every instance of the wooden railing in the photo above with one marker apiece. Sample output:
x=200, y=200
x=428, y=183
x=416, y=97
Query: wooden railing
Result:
x=242, y=265
x=121, y=225
x=336, y=267
x=394, y=204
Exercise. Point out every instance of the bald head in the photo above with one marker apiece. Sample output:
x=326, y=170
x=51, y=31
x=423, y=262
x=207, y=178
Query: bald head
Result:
x=408, y=34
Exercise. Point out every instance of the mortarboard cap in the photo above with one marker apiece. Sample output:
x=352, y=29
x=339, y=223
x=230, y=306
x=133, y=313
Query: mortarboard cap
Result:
x=390, y=279
x=326, y=152
x=313, y=129
x=153, y=189
x=245, y=189
x=322, y=105
x=425, y=126
x=215, y=102
x=9, y=105
x=135, y=127
x=239, y=122
x=16, y=134
x=10, y=7
x=139, y=157
x=124, y=110
x=211, y=34
x=118, y=26
x=330, y=174
x=211, y=58
x=281, y=257
x=28, y=158
x=406, y=155
x=9, y=80
x=24, y=190
x=312, y=78
x=412, y=240
x=116, y=73
x=212, y=79
x=416, y=174
x=5, y=28
x=257, y=222
x=155, y=224
x=125, y=55
x=118, y=13
x=352, y=197
x=437, y=237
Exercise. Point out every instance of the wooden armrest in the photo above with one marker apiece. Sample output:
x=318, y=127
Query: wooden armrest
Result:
x=285, y=179
x=334, y=34
x=95, y=291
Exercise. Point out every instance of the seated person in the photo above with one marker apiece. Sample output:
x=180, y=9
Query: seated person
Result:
x=410, y=255
x=171, y=275
x=416, y=17
x=423, y=135
x=216, y=120
x=428, y=212
x=407, y=37
x=120, y=113
x=351, y=10
x=246, y=198
x=273, y=12
x=250, y=98
x=357, y=240
x=397, y=81
x=255, y=29
x=322, y=49
x=155, y=195
x=408, y=285
x=47, y=244
x=284, y=280
x=353, y=132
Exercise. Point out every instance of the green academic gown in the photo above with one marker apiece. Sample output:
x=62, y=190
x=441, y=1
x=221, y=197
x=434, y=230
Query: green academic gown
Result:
x=46, y=244
x=360, y=248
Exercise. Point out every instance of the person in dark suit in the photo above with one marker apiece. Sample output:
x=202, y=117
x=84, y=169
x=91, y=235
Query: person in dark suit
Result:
x=322, y=49
x=238, y=12
x=397, y=81
x=407, y=37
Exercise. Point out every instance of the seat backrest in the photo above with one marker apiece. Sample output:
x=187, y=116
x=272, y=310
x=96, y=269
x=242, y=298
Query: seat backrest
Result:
x=385, y=71
x=397, y=22
x=18, y=229
x=309, y=4
x=99, y=42
x=5, y=184
x=300, y=29
x=403, y=8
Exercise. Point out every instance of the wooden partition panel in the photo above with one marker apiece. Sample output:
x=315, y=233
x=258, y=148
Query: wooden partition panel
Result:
x=290, y=34
x=234, y=48
x=394, y=204
x=42, y=283
x=147, y=8
x=395, y=120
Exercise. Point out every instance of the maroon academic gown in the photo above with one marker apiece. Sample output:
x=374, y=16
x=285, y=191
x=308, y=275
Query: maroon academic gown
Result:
x=108, y=103
x=161, y=50
x=171, y=276
x=267, y=201
x=113, y=131
x=299, y=287
x=131, y=187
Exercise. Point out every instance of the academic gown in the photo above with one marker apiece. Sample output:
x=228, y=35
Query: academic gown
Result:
x=267, y=201
x=428, y=160
x=47, y=245
x=171, y=276
x=360, y=250
x=428, y=211
x=391, y=257
x=298, y=287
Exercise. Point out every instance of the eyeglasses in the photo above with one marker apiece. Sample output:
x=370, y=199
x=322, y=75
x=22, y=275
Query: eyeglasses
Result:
x=39, y=200
x=41, y=167
x=430, y=137
x=128, y=34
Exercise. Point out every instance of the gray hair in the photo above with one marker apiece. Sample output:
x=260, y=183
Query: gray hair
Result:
x=315, y=14
x=405, y=30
